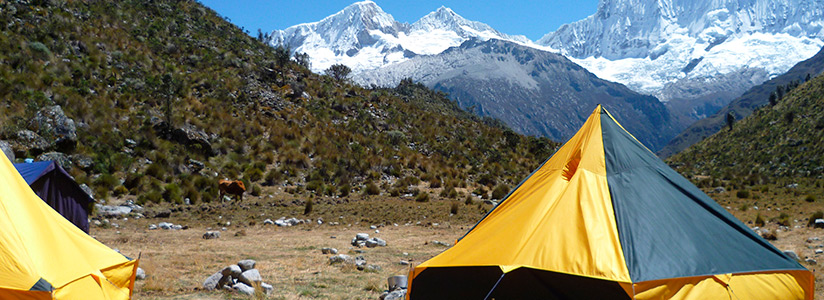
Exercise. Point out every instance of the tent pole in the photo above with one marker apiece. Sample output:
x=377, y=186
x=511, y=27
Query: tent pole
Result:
x=494, y=286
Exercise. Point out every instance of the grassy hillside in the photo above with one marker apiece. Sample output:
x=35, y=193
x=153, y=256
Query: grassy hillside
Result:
x=774, y=142
x=168, y=97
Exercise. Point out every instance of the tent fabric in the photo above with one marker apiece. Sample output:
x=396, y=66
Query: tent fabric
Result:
x=44, y=256
x=57, y=188
x=606, y=213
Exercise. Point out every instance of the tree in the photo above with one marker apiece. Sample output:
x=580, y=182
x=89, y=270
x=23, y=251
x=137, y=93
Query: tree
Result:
x=807, y=78
x=730, y=119
x=260, y=35
x=282, y=55
x=302, y=59
x=338, y=71
x=773, y=99
x=780, y=91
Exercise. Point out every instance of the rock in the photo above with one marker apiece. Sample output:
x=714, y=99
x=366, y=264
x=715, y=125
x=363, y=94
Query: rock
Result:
x=152, y=227
x=719, y=190
x=165, y=225
x=362, y=236
x=329, y=251
x=177, y=227
x=61, y=158
x=819, y=223
x=246, y=264
x=791, y=254
x=340, y=258
x=83, y=162
x=819, y=251
x=370, y=243
x=213, y=282
x=250, y=277
x=87, y=190
x=113, y=211
x=7, y=150
x=380, y=242
x=28, y=142
x=244, y=288
x=440, y=243
x=232, y=271
x=268, y=222
x=810, y=261
x=211, y=235
x=373, y=268
x=52, y=121
x=267, y=288
x=360, y=262
x=140, y=274
x=395, y=295
x=196, y=165
x=404, y=263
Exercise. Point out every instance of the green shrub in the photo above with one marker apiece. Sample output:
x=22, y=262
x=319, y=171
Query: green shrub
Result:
x=500, y=191
x=372, y=189
x=783, y=220
x=307, y=208
x=172, y=193
x=272, y=177
x=120, y=190
x=816, y=215
x=422, y=197
x=255, y=190
x=759, y=221
x=469, y=200
x=453, y=209
x=107, y=181
x=344, y=190
x=435, y=182
x=742, y=194
x=253, y=174
x=809, y=198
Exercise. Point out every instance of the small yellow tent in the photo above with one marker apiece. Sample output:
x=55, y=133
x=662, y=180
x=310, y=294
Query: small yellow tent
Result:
x=604, y=218
x=44, y=256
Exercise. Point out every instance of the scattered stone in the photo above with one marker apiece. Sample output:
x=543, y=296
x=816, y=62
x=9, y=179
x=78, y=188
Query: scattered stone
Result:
x=394, y=295
x=141, y=274
x=232, y=271
x=373, y=227
x=267, y=288
x=404, y=263
x=791, y=254
x=246, y=264
x=810, y=261
x=244, y=288
x=792, y=186
x=268, y=222
x=165, y=225
x=719, y=190
x=329, y=251
x=373, y=268
x=211, y=235
x=819, y=251
x=441, y=243
x=340, y=258
x=152, y=227
x=819, y=223
x=360, y=262
x=112, y=211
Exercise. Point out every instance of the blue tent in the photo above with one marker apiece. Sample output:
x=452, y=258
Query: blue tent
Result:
x=59, y=190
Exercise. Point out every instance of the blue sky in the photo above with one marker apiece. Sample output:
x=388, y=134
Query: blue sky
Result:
x=530, y=18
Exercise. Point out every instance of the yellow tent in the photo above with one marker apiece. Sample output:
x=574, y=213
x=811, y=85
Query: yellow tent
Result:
x=44, y=256
x=604, y=218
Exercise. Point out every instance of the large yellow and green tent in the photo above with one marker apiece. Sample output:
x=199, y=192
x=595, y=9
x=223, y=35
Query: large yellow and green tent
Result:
x=604, y=218
x=44, y=256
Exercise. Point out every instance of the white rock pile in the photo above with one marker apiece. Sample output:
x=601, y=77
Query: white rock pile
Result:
x=362, y=239
x=242, y=278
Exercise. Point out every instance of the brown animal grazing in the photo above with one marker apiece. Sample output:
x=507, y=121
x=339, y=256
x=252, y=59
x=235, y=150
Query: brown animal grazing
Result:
x=232, y=187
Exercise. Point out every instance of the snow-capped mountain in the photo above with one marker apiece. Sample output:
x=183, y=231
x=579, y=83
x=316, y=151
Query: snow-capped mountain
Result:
x=652, y=44
x=363, y=36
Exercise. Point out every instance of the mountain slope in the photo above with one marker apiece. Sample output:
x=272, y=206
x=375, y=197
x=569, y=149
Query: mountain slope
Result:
x=535, y=92
x=698, y=55
x=744, y=105
x=162, y=98
x=363, y=36
x=785, y=140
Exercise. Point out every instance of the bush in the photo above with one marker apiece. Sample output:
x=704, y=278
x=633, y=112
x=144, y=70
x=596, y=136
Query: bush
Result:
x=809, y=198
x=783, y=220
x=469, y=200
x=422, y=197
x=817, y=215
x=255, y=190
x=742, y=194
x=344, y=190
x=119, y=191
x=372, y=189
x=759, y=221
x=271, y=177
x=435, y=183
x=107, y=181
x=500, y=191
x=453, y=209
x=307, y=208
x=254, y=174
x=172, y=193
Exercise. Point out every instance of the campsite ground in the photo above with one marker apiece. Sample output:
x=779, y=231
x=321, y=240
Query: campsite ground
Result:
x=290, y=259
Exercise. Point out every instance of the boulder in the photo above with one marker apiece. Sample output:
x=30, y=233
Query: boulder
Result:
x=791, y=254
x=373, y=268
x=232, y=271
x=360, y=262
x=165, y=225
x=53, y=122
x=83, y=162
x=810, y=261
x=246, y=264
x=819, y=251
x=267, y=288
x=113, y=211
x=28, y=142
x=244, y=288
x=6, y=148
x=329, y=250
x=211, y=235
x=250, y=277
x=87, y=190
x=819, y=223
x=268, y=222
x=394, y=295
x=152, y=227
x=61, y=158
x=213, y=282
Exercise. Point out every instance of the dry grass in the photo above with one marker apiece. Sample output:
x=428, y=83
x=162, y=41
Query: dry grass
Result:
x=289, y=258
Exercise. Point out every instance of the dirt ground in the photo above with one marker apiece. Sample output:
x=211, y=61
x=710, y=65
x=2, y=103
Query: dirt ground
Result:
x=289, y=258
